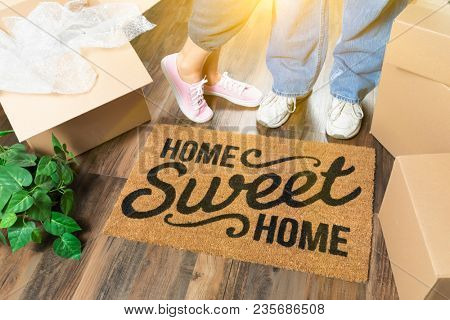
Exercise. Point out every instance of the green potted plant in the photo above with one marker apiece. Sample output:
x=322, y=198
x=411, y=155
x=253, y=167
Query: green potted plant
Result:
x=36, y=198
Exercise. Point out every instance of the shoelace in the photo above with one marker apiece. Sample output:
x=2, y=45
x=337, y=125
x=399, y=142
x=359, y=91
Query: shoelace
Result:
x=289, y=102
x=335, y=112
x=232, y=84
x=197, y=98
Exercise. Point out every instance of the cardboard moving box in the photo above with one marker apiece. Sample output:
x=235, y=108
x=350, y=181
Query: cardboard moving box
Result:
x=412, y=113
x=415, y=219
x=115, y=104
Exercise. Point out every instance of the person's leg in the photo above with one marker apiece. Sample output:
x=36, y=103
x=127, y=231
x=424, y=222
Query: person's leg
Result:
x=209, y=34
x=358, y=58
x=190, y=61
x=359, y=53
x=296, y=53
x=212, y=24
x=211, y=67
x=298, y=45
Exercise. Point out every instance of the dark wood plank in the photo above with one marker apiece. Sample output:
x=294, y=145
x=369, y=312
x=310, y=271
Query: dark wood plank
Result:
x=17, y=270
x=111, y=270
x=5, y=125
x=165, y=274
x=114, y=158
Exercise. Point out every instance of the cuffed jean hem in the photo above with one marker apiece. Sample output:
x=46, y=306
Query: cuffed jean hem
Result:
x=290, y=95
x=353, y=101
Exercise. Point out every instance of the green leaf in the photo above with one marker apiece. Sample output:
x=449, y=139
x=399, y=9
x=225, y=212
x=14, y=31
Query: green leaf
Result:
x=19, y=234
x=56, y=176
x=46, y=166
x=36, y=235
x=67, y=201
x=16, y=155
x=68, y=246
x=56, y=143
x=71, y=157
x=18, y=147
x=8, y=219
x=14, y=178
x=44, y=182
x=5, y=133
x=67, y=152
x=5, y=194
x=58, y=148
x=60, y=224
x=20, y=201
x=2, y=238
x=41, y=208
x=66, y=174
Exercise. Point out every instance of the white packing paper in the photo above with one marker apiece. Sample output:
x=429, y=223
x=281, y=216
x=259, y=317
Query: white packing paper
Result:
x=41, y=53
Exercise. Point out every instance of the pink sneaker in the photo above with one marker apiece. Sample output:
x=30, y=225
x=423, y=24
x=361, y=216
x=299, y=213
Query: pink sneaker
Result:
x=189, y=96
x=235, y=91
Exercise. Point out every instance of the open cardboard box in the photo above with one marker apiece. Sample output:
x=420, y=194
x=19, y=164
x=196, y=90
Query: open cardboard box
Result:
x=412, y=112
x=415, y=219
x=115, y=104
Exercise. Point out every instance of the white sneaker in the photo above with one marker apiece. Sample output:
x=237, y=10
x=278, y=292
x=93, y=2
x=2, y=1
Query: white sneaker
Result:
x=344, y=119
x=275, y=110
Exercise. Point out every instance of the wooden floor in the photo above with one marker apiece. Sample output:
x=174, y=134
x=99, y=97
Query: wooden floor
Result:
x=113, y=268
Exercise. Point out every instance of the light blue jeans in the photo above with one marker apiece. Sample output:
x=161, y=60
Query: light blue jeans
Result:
x=299, y=39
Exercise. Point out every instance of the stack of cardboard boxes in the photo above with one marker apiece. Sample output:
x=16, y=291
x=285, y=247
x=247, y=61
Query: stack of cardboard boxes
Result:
x=412, y=121
x=115, y=104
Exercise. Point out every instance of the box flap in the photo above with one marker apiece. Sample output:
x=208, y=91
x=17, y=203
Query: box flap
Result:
x=428, y=181
x=420, y=40
x=411, y=113
x=119, y=70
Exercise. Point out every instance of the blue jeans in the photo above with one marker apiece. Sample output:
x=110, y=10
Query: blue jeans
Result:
x=299, y=39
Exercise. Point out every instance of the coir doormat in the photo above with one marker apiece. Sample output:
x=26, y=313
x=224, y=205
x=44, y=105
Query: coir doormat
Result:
x=284, y=202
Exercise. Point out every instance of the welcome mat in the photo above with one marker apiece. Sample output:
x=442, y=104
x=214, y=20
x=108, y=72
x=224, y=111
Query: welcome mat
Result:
x=292, y=204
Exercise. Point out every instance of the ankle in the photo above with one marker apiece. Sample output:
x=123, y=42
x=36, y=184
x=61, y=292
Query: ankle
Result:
x=187, y=72
x=213, y=78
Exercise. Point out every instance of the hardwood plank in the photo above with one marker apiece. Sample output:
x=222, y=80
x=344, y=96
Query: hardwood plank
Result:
x=208, y=277
x=381, y=283
x=385, y=162
x=165, y=274
x=114, y=158
x=16, y=270
x=110, y=272
x=248, y=281
x=5, y=125
x=57, y=278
